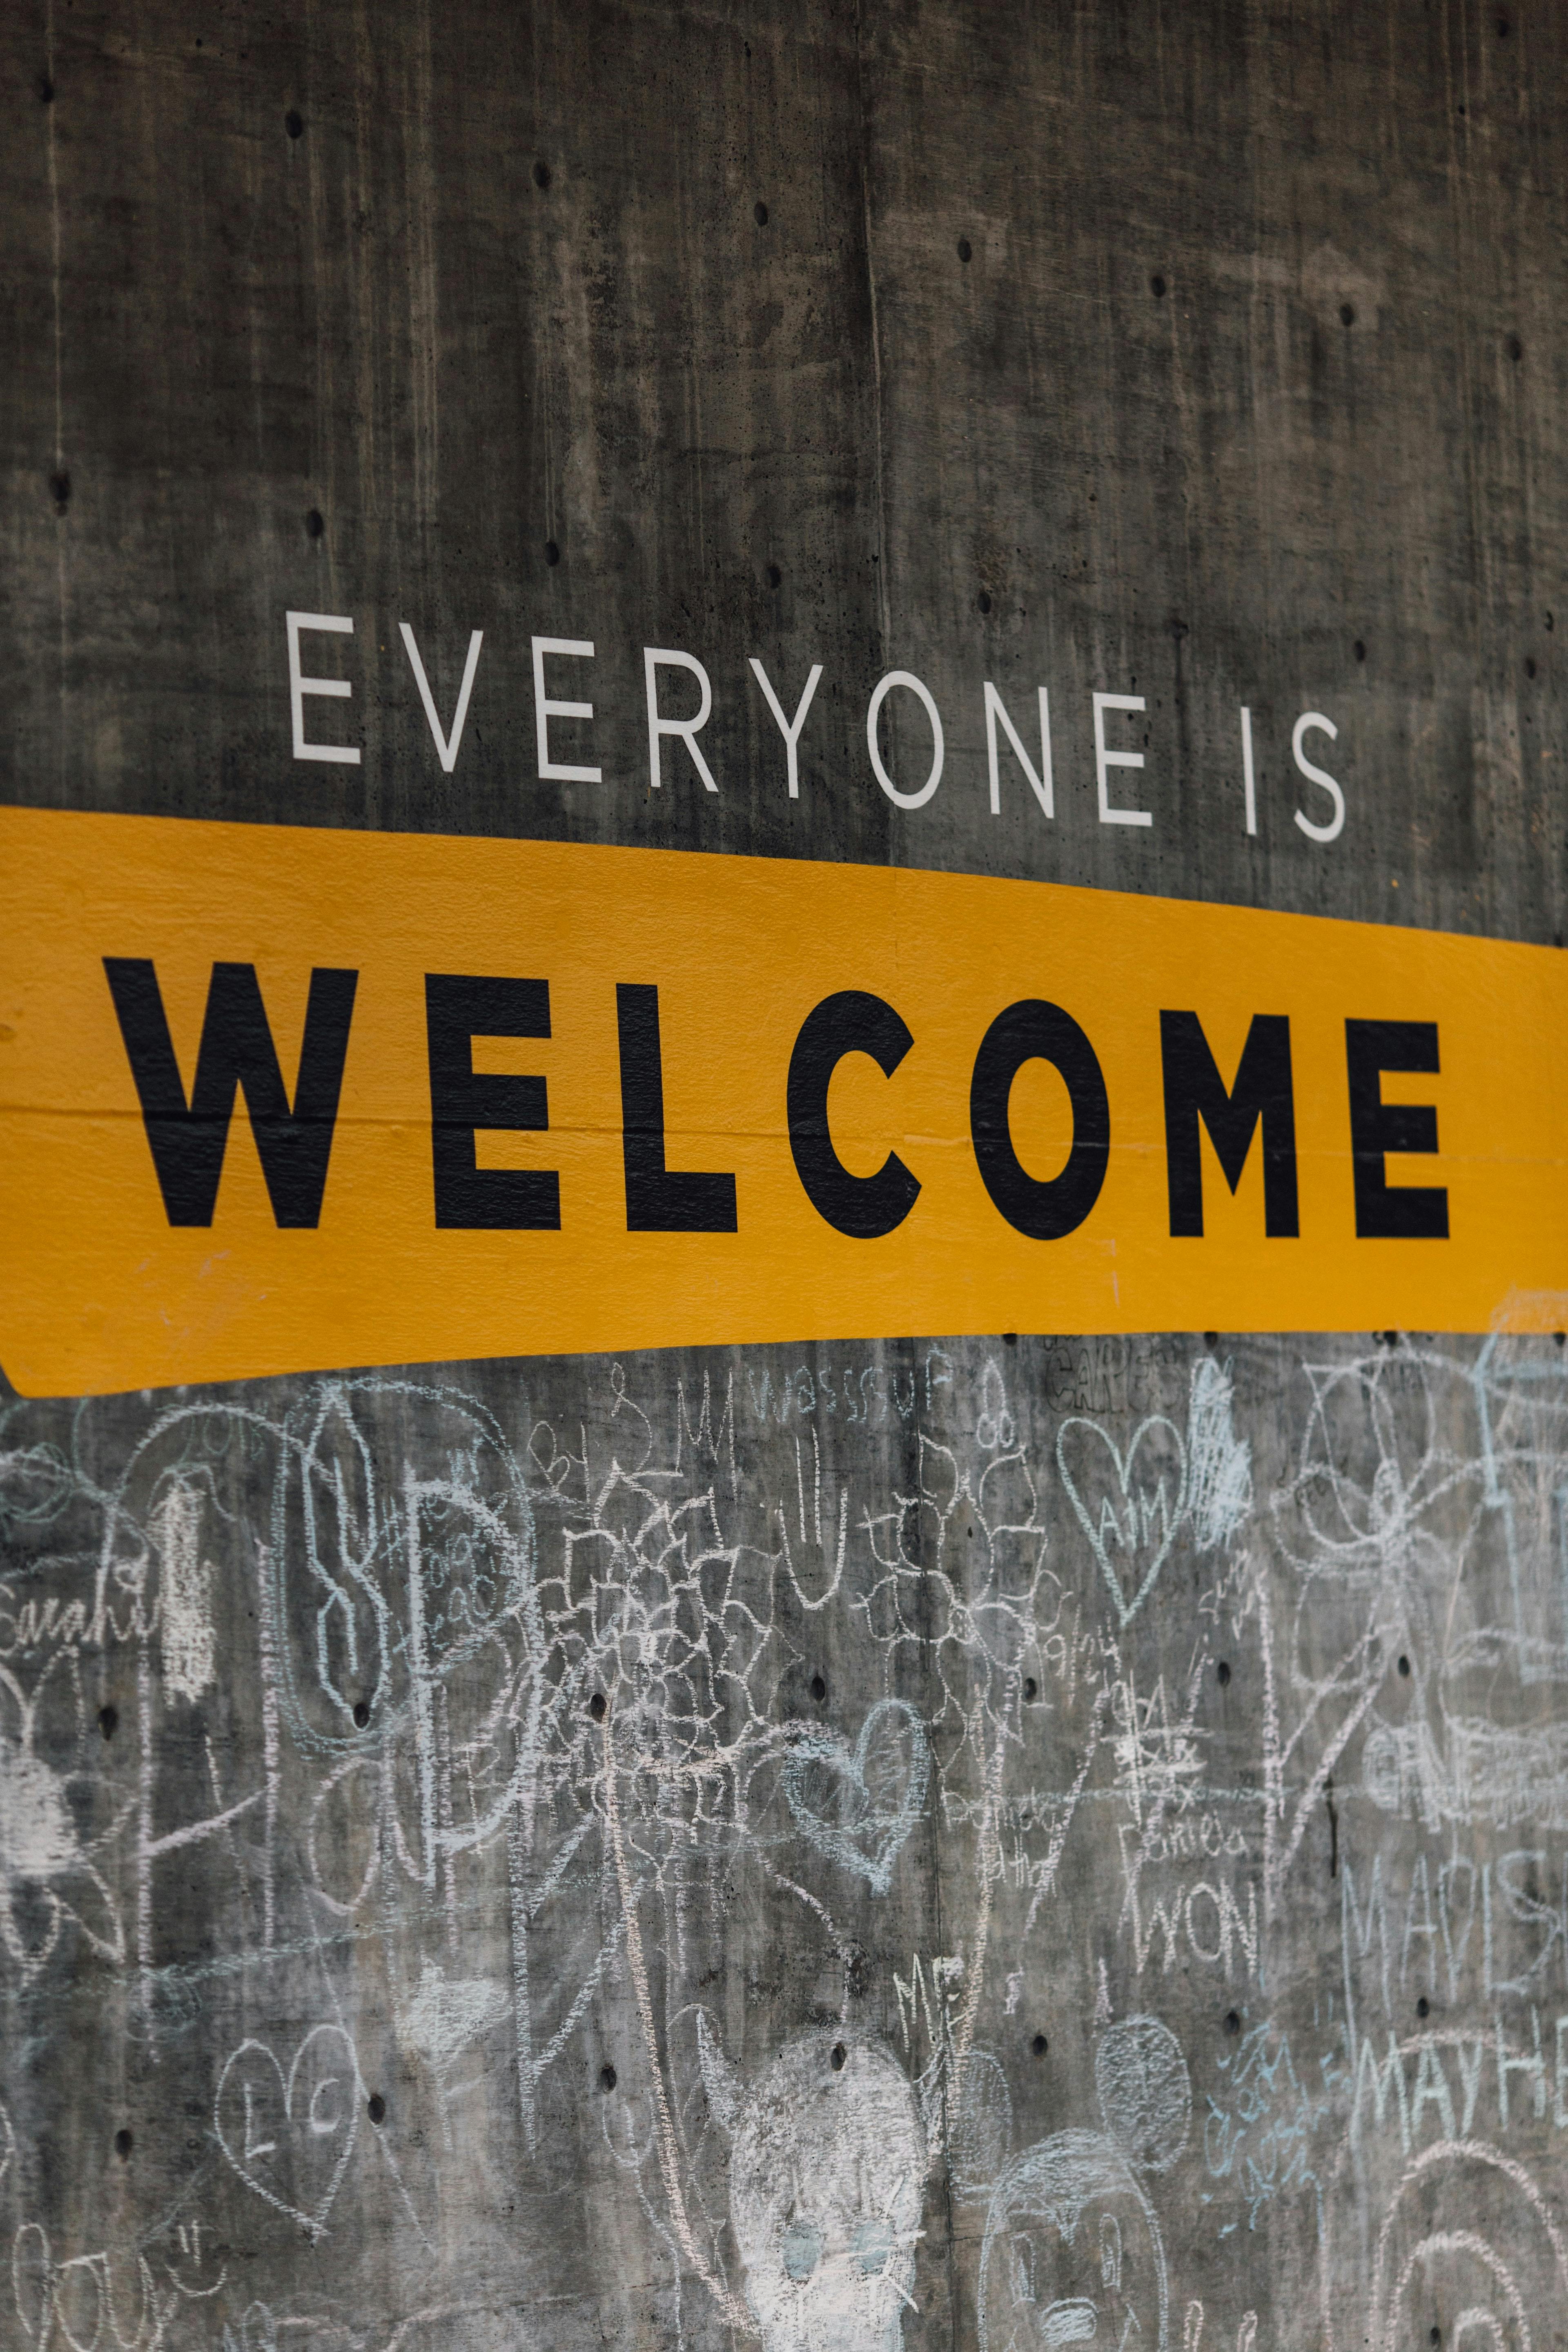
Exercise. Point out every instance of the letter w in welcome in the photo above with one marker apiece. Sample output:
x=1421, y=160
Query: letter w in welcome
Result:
x=188, y=1141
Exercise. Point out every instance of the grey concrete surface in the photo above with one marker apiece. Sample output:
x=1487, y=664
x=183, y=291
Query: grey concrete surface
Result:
x=1210, y=497
x=1020, y=1842
x=453, y=1820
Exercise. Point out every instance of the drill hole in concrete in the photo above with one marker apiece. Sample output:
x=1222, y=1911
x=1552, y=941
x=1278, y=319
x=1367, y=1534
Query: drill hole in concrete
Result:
x=1157, y=287
x=109, y=1721
x=1347, y=315
x=608, y=2078
x=1359, y=650
x=773, y=576
x=984, y=601
x=124, y=2142
x=760, y=215
x=542, y=175
x=1232, y=2022
x=361, y=1713
x=965, y=250
x=1031, y=1688
x=1529, y=665
x=294, y=123
x=1403, y=1667
x=314, y=524
x=1040, y=2046
x=1222, y=1671
x=375, y=2107
x=1515, y=349
x=838, y=2056
x=598, y=1707
x=818, y=1689
x=552, y=552
x=1423, y=2007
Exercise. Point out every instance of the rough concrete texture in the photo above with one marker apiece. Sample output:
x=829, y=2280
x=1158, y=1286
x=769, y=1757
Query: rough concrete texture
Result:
x=1211, y=496
x=1026, y=1841
x=1054, y=1843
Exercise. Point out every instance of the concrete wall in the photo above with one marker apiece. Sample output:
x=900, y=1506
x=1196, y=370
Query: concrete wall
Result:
x=1026, y=1840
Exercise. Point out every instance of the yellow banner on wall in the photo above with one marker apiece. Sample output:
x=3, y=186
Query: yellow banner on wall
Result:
x=280, y=1099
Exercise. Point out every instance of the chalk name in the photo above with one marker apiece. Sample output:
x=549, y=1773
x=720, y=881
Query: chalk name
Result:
x=666, y=730
x=187, y=1138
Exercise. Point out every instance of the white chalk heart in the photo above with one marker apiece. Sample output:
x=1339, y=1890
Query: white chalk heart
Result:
x=858, y=1804
x=1131, y=1505
x=294, y=2128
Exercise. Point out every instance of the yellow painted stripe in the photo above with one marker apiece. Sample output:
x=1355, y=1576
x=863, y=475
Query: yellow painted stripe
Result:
x=99, y=1292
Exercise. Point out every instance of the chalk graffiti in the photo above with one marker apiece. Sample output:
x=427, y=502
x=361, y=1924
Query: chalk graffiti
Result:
x=400, y=1774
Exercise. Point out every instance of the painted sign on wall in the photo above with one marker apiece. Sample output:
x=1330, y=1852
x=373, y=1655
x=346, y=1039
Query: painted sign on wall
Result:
x=280, y=1099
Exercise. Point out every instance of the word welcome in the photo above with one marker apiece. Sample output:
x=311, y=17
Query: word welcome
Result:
x=237, y=1054
x=511, y=1098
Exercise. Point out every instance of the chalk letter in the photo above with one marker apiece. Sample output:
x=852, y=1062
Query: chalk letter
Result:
x=994, y=710
x=337, y=624
x=852, y=1021
x=1507, y=2064
x=544, y=710
x=1195, y=1090
x=788, y=728
x=1105, y=760
x=873, y=712
x=658, y=657
x=1385, y=1212
x=1336, y=824
x=447, y=752
x=254, y=2148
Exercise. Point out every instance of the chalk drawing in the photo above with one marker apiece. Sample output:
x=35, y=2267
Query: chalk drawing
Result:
x=980, y=2134
x=1072, y=2252
x=445, y=2015
x=857, y=1805
x=1145, y=2091
x=828, y=2168
x=470, y=1731
x=1129, y=1505
x=188, y=1637
x=50, y=1873
x=290, y=2136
